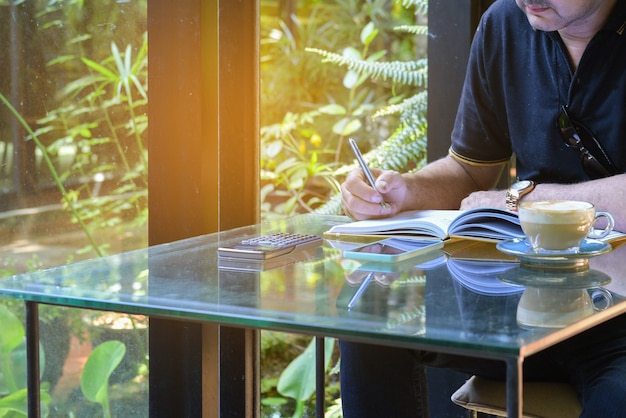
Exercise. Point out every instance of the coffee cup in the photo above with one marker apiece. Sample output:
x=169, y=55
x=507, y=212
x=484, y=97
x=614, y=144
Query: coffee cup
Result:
x=561, y=225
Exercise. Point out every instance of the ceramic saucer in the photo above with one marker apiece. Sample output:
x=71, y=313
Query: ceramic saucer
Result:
x=520, y=248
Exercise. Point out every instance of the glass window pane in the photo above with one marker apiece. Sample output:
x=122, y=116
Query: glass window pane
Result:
x=73, y=176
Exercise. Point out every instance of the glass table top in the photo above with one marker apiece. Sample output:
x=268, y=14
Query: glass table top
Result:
x=453, y=300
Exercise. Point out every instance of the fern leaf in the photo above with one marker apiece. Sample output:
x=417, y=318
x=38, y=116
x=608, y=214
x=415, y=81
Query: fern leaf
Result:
x=331, y=207
x=414, y=104
x=414, y=73
x=413, y=29
x=421, y=6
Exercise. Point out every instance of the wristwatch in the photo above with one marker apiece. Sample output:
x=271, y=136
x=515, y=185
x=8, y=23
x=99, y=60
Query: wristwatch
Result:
x=516, y=192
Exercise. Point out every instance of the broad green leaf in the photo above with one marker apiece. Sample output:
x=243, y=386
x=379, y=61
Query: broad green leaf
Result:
x=298, y=380
x=18, y=401
x=101, y=363
x=17, y=366
x=12, y=333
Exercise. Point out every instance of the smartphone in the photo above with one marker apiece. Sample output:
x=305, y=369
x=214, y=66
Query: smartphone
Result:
x=393, y=250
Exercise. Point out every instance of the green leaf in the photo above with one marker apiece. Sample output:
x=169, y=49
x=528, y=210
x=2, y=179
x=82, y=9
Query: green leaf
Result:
x=17, y=366
x=273, y=401
x=297, y=381
x=286, y=165
x=273, y=148
x=101, y=363
x=108, y=74
x=12, y=333
x=350, y=80
x=351, y=53
x=85, y=132
x=377, y=55
x=333, y=109
x=347, y=126
x=353, y=126
x=368, y=33
x=18, y=402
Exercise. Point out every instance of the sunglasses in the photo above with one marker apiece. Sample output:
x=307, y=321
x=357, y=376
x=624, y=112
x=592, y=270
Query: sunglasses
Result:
x=596, y=164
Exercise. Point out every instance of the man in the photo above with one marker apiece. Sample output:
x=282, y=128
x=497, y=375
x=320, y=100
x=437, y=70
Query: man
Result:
x=546, y=82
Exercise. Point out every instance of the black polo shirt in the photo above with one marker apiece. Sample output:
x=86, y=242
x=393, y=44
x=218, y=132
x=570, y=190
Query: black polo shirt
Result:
x=516, y=81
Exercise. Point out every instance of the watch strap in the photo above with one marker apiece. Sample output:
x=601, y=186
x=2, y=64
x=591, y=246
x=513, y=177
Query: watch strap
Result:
x=515, y=193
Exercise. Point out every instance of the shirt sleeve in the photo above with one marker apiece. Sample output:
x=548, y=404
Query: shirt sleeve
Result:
x=480, y=135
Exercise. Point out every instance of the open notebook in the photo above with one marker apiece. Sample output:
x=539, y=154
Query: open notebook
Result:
x=491, y=224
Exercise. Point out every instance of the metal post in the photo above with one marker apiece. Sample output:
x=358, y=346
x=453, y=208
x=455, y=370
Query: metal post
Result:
x=32, y=358
x=320, y=354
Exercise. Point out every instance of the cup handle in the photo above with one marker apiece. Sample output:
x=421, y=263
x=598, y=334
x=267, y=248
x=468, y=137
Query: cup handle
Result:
x=601, y=299
x=610, y=223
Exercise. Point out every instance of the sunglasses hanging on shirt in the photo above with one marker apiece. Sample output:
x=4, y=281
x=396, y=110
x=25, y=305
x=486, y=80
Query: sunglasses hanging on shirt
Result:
x=595, y=160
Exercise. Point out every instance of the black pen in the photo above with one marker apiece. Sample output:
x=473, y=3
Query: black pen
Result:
x=365, y=168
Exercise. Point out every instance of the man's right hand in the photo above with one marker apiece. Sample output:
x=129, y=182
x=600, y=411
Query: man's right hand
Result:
x=361, y=201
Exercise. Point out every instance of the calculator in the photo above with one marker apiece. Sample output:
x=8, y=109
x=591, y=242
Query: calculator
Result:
x=269, y=246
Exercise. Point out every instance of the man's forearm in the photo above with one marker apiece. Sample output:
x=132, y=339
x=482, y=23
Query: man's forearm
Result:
x=607, y=194
x=444, y=183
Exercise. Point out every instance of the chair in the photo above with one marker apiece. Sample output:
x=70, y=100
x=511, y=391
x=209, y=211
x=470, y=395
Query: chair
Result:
x=541, y=399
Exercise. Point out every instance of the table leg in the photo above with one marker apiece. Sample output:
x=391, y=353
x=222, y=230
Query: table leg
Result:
x=320, y=368
x=514, y=388
x=32, y=359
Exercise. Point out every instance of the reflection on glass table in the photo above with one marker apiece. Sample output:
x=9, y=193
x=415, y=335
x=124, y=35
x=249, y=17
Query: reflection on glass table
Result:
x=557, y=297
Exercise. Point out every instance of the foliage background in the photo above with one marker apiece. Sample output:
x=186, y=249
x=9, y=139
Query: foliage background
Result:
x=341, y=68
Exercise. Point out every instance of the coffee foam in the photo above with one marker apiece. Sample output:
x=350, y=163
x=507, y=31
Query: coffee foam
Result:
x=556, y=212
x=557, y=205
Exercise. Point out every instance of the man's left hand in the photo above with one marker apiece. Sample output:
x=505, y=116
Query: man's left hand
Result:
x=490, y=198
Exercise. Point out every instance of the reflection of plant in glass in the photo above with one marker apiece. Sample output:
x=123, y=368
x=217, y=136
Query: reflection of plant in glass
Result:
x=123, y=75
x=102, y=111
x=105, y=111
x=13, y=393
x=57, y=178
